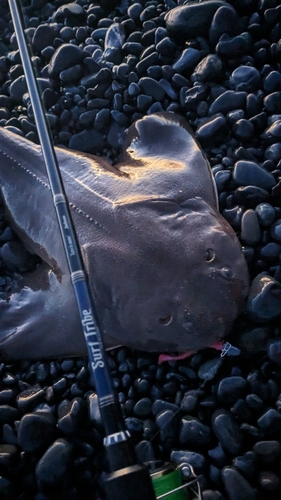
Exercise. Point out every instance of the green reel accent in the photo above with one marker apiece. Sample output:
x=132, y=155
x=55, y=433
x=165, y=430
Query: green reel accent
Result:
x=167, y=480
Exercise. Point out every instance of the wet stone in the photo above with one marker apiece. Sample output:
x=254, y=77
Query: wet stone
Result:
x=144, y=451
x=28, y=399
x=143, y=407
x=267, y=451
x=152, y=88
x=66, y=55
x=36, y=431
x=231, y=47
x=273, y=133
x=227, y=101
x=86, y=141
x=270, y=252
x=248, y=173
x=8, y=454
x=214, y=129
x=264, y=301
x=55, y=466
x=272, y=102
x=209, y=369
x=246, y=464
x=236, y=485
x=210, y=68
x=188, y=59
x=133, y=424
x=44, y=36
x=250, y=196
x=250, y=229
x=275, y=230
x=191, y=20
x=225, y=20
x=274, y=351
x=189, y=401
x=273, y=152
x=73, y=416
x=272, y=82
x=270, y=423
x=265, y=213
x=227, y=431
x=7, y=235
x=194, y=433
x=161, y=405
x=115, y=135
x=18, y=87
x=231, y=388
x=8, y=414
x=254, y=339
x=243, y=130
x=245, y=78
x=167, y=423
x=270, y=482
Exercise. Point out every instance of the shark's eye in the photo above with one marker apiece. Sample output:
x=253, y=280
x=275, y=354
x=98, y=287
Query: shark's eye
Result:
x=166, y=320
x=210, y=255
x=226, y=272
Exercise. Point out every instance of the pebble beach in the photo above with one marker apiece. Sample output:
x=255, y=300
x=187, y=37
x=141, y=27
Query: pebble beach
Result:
x=101, y=66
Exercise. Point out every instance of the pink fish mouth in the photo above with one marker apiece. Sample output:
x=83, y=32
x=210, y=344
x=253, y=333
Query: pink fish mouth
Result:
x=167, y=357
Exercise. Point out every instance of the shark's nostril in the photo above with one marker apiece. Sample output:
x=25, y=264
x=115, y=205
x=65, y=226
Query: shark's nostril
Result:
x=226, y=272
x=166, y=320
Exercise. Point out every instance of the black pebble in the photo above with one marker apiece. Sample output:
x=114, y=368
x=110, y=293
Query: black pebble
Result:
x=210, y=68
x=65, y=56
x=231, y=388
x=36, y=431
x=28, y=399
x=87, y=140
x=227, y=101
x=191, y=20
x=267, y=451
x=263, y=303
x=214, y=129
x=193, y=433
x=250, y=229
x=54, y=467
x=236, y=485
x=270, y=423
x=249, y=173
x=227, y=431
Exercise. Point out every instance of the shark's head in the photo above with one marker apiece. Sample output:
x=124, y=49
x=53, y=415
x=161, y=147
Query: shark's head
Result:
x=177, y=276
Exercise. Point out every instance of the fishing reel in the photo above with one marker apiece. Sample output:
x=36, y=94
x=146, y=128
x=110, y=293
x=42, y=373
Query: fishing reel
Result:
x=174, y=482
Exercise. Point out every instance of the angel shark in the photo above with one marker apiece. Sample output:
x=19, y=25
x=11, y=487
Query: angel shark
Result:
x=166, y=270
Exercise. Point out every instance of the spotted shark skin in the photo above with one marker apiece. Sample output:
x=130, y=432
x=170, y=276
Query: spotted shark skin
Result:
x=166, y=270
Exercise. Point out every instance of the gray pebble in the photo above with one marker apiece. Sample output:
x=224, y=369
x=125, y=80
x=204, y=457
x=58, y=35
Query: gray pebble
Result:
x=250, y=229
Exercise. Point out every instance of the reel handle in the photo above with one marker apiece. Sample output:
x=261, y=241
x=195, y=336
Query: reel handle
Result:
x=129, y=483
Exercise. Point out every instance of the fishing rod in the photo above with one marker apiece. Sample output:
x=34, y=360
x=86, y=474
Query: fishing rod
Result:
x=126, y=479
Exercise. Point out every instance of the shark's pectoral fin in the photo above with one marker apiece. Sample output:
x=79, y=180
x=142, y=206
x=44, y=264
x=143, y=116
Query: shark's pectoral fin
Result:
x=40, y=303
x=161, y=155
